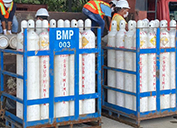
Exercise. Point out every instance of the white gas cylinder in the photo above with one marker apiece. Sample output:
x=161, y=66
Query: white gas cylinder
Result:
x=88, y=68
x=53, y=23
x=143, y=67
x=128, y=61
x=38, y=26
x=19, y=69
x=172, y=61
x=44, y=69
x=152, y=66
x=120, y=63
x=134, y=64
x=164, y=65
x=74, y=24
x=157, y=24
x=61, y=78
x=33, y=88
x=81, y=26
x=12, y=41
x=4, y=41
x=111, y=62
x=146, y=25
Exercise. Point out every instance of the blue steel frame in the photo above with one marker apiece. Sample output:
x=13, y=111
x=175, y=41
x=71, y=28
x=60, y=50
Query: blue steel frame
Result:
x=137, y=115
x=14, y=120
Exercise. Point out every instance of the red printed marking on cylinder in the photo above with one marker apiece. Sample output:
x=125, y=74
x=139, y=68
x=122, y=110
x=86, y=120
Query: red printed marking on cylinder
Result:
x=64, y=76
x=83, y=77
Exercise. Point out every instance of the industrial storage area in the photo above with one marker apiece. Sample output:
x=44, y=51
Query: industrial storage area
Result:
x=112, y=66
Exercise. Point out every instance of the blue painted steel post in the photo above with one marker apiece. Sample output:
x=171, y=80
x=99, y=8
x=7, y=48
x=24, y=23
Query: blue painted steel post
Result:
x=137, y=72
x=51, y=76
x=102, y=64
x=25, y=79
x=158, y=70
x=76, y=73
x=176, y=70
x=99, y=70
x=2, y=76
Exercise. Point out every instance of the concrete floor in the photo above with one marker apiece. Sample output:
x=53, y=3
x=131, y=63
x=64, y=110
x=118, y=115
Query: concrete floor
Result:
x=167, y=122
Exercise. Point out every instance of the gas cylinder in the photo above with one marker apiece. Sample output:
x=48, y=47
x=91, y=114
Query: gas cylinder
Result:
x=33, y=88
x=19, y=70
x=53, y=23
x=112, y=63
x=88, y=68
x=44, y=69
x=134, y=64
x=172, y=61
x=61, y=77
x=120, y=63
x=4, y=41
x=156, y=25
x=81, y=26
x=128, y=61
x=164, y=65
x=74, y=24
x=38, y=26
x=146, y=25
x=143, y=67
x=12, y=41
x=152, y=66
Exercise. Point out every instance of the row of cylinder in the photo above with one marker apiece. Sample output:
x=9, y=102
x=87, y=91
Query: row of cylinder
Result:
x=64, y=70
x=127, y=61
x=8, y=41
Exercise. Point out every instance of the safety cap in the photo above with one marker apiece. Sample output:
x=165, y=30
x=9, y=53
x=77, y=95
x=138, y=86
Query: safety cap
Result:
x=60, y=23
x=74, y=23
x=53, y=23
x=130, y=25
x=163, y=23
x=81, y=25
x=157, y=23
x=172, y=23
x=30, y=23
x=45, y=24
x=38, y=24
x=67, y=23
x=140, y=24
x=42, y=12
x=88, y=23
x=122, y=4
x=114, y=25
x=24, y=24
x=122, y=24
x=152, y=24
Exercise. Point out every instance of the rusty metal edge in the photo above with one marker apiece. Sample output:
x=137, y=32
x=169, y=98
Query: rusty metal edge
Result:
x=90, y=120
x=131, y=116
x=158, y=115
x=70, y=123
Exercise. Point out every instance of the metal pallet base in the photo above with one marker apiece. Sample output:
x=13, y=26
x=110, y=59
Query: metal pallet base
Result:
x=87, y=123
x=131, y=120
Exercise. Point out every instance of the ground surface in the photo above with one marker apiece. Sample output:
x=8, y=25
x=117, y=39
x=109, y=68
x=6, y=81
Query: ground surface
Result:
x=167, y=122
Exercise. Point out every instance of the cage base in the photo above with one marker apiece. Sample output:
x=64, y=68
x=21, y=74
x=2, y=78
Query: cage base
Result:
x=131, y=120
x=86, y=123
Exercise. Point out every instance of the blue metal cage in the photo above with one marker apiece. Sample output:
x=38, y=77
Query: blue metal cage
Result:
x=74, y=49
x=115, y=111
